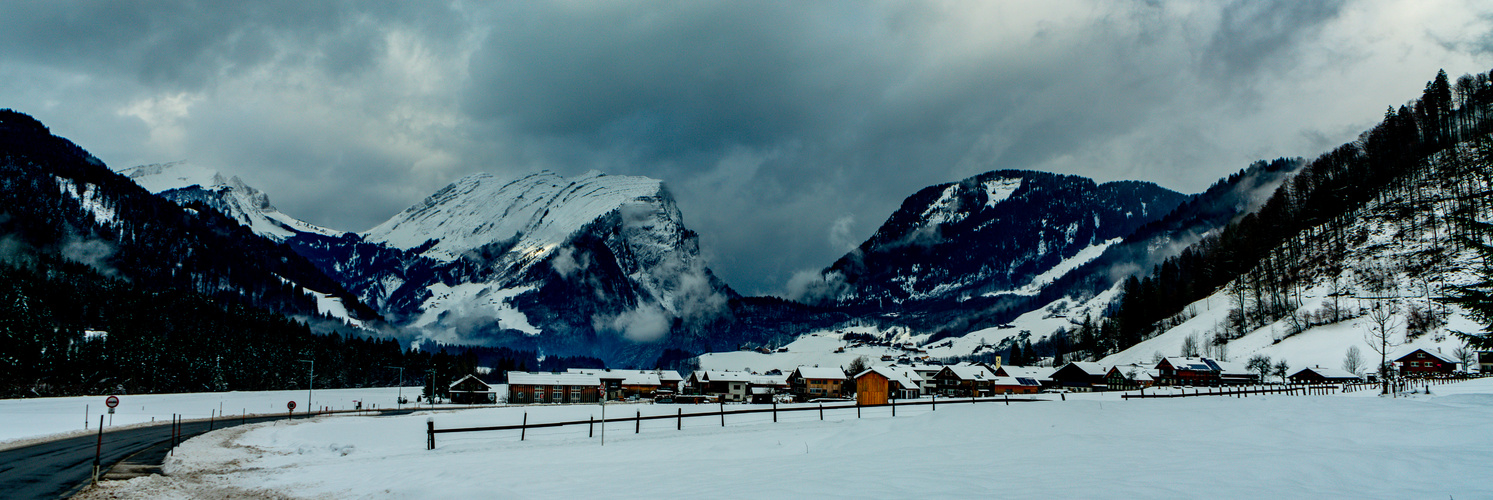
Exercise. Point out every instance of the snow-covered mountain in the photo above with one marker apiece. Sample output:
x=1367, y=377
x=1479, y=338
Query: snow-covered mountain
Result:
x=184, y=183
x=592, y=265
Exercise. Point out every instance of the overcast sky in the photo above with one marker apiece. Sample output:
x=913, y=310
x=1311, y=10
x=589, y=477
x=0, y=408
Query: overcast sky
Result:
x=787, y=131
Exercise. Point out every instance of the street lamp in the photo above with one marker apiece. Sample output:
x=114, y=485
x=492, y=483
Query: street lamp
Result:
x=399, y=401
x=310, y=382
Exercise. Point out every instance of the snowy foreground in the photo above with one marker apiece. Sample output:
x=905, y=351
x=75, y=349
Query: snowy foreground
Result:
x=24, y=421
x=1090, y=446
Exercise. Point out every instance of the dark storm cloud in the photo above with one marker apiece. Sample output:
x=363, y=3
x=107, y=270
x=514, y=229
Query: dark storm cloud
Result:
x=787, y=130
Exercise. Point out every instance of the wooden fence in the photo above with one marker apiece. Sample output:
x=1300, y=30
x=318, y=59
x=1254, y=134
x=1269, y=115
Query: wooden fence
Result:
x=679, y=416
x=1243, y=391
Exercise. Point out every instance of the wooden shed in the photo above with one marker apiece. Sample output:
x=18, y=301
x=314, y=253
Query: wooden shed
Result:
x=470, y=390
x=879, y=385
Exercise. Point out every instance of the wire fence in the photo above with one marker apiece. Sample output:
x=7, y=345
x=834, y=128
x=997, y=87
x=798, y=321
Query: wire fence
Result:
x=722, y=413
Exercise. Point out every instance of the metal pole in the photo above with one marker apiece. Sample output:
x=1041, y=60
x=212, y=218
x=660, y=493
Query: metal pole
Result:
x=523, y=430
x=603, y=422
x=591, y=426
x=310, y=382
x=821, y=411
x=679, y=423
x=399, y=403
x=430, y=433
x=637, y=423
x=85, y=417
x=723, y=413
x=98, y=448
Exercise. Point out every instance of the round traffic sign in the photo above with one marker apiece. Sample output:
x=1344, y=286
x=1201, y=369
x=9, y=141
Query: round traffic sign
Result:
x=111, y=401
x=290, y=405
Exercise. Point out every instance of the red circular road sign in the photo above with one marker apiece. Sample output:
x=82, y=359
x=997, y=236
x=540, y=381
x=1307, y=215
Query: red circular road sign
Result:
x=290, y=405
x=111, y=401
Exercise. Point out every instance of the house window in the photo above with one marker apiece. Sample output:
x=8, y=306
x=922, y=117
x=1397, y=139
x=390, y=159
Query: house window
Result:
x=1414, y=364
x=539, y=395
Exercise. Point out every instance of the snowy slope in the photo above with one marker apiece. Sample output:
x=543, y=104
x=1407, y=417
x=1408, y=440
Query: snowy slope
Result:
x=1399, y=256
x=537, y=213
x=183, y=182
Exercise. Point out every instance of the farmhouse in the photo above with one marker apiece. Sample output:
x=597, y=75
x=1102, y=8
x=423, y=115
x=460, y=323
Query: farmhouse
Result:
x=1014, y=385
x=542, y=387
x=813, y=382
x=1080, y=376
x=470, y=390
x=963, y=380
x=878, y=385
x=1319, y=375
x=1129, y=377
x=622, y=384
x=1203, y=371
x=1421, y=362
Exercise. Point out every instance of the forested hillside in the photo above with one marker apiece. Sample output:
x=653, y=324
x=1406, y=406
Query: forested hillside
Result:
x=1428, y=162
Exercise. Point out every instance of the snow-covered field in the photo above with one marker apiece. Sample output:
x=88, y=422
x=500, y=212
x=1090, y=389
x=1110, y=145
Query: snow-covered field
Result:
x=1090, y=446
x=26, y=420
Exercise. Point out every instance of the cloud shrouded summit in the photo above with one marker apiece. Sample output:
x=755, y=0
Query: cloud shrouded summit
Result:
x=786, y=130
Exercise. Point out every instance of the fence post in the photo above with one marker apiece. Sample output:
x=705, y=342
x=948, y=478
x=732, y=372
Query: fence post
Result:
x=821, y=411
x=723, y=413
x=591, y=426
x=857, y=409
x=1008, y=399
x=894, y=407
x=679, y=422
x=430, y=433
x=935, y=401
x=637, y=423
x=775, y=410
x=98, y=448
x=523, y=430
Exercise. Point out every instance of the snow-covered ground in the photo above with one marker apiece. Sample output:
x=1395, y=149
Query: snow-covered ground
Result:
x=1090, y=446
x=26, y=420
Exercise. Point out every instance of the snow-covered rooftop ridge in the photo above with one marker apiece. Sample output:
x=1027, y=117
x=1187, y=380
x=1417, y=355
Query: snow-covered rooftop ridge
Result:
x=545, y=378
x=537, y=211
x=907, y=378
x=820, y=372
x=1326, y=372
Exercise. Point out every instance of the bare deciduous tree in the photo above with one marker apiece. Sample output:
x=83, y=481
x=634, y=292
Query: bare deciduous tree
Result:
x=1382, y=322
x=1353, y=360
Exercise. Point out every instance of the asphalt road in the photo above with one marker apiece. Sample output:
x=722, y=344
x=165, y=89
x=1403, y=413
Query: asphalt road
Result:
x=59, y=469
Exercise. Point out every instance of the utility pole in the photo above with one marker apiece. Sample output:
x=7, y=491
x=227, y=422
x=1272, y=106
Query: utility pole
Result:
x=310, y=382
x=431, y=399
x=399, y=401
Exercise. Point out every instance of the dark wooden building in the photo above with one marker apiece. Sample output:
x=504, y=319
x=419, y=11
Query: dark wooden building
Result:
x=541, y=387
x=1421, y=362
x=470, y=390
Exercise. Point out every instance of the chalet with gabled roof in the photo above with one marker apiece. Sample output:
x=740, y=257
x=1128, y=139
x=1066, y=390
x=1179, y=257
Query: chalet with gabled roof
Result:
x=814, y=382
x=1081, y=376
x=1421, y=362
x=542, y=387
x=1319, y=375
x=470, y=390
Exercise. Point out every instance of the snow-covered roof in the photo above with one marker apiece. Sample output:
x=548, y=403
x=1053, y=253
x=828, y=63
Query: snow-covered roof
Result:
x=463, y=379
x=769, y=380
x=820, y=372
x=1090, y=368
x=892, y=375
x=729, y=376
x=1330, y=373
x=1193, y=364
x=545, y=378
x=641, y=379
x=1036, y=372
x=1233, y=369
x=970, y=372
x=1444, y=358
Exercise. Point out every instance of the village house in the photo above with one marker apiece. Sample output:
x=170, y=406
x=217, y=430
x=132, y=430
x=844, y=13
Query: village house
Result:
x=1042, y=374
x=623, y=384
x=1130, y=377
x=813, y=382
x=963, y=381
x=1203, y=372
x=724, y=385
x=1080, y=376
x=881, y=384
x=1319, y=375
x=542, y=387
x=470, y=390
x=1420, y=363
x=1014, y=385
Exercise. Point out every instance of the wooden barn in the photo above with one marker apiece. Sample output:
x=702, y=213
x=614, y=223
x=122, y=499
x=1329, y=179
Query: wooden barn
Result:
x=879, y=385
x=1319, y=375
x=541, y=387
x=1081, y=376
x=470, y=390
